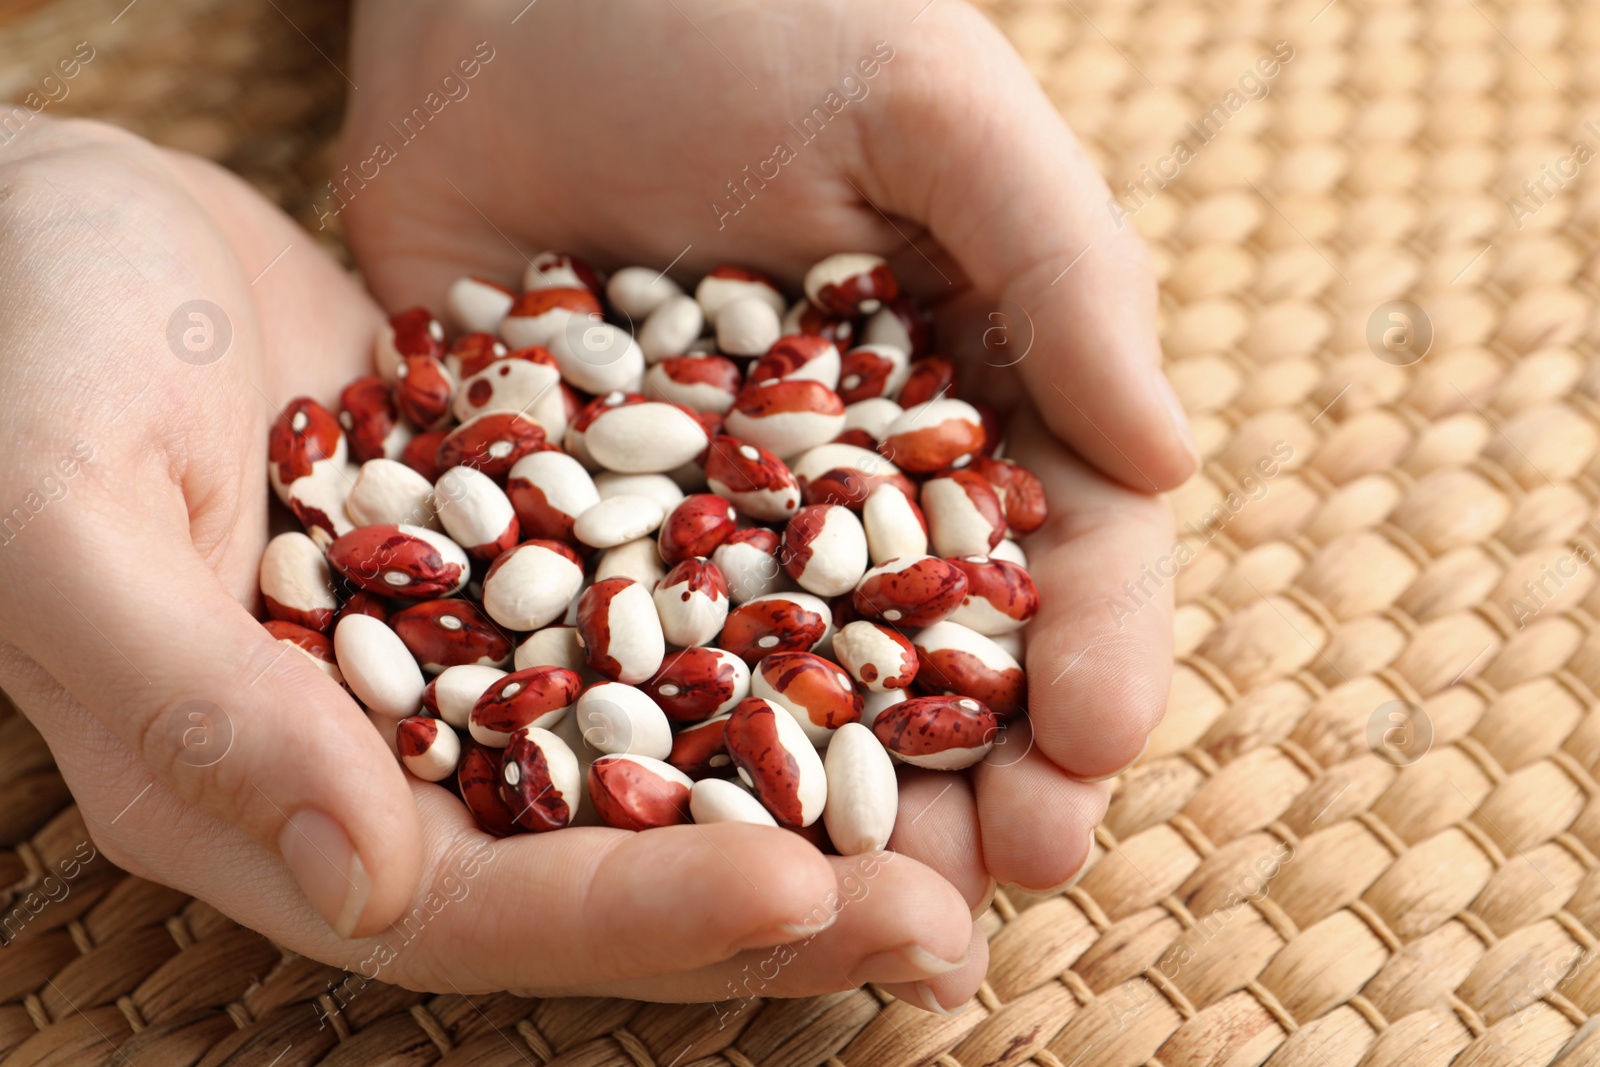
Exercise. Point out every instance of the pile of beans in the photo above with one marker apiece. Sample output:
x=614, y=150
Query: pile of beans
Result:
x=618, y=554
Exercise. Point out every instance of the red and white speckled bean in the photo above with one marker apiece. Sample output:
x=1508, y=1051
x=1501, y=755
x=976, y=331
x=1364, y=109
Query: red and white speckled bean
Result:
x=698, y=683
x=428, y=748
x=534, y=696
x=633, y=792
x=964, y=513
x=448, y=633
x=692, y=601
x=476, y=512
x=911, y=591
x=548, y=491
x=1001, y=596
x=387, y=492
x=531, y=585
x=401, y=561
x=617, y=718
x=962, y=661
x=296, y=584
x=863, y=793
x=540, y=780
x=819, y=694
x=939, y=733
x=894, y=525
x=876, y=656
x=453, y=693
x=776, y=622
x=477, y=303
x=620, y=630
x=777, y=760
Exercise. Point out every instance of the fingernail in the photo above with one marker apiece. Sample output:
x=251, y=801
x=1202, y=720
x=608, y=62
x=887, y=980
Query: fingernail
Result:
x=326, y=865
x=929, y=1001
x=784, y=933
x=1179, y=417
x=908, y=963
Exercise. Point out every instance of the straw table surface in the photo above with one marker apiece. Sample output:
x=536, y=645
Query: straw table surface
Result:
x=1366, y=832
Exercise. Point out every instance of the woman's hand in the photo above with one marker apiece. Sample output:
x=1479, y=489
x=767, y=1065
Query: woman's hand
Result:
x=687, y=134
x=205, y=755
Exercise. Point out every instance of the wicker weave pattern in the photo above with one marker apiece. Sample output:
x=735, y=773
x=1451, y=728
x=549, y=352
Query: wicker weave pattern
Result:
x=1268, y=888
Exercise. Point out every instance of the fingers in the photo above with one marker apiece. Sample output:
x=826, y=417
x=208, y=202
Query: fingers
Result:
x=129, y=619
x=1013, y=785
x=1099, y=654
x=1018, y=203
x=898, y=922
x=944, y=994
x=938, y=826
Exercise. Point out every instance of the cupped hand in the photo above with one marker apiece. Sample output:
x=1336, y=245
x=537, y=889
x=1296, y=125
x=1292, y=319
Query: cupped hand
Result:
x=205, y=755
x=680, y=136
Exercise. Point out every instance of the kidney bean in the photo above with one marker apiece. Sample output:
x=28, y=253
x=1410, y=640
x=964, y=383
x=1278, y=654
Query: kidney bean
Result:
x=420, y=454
x=475, y=303
x=903, y=323
x=805, y=317
x=446, y=633
x=960, y=661
x=798, y=357
x=377, y=667
x=872, y=372
x=491, y=443
x=726, y=284
x=476, y=513
x=315, y=646
x=757, y=482
x=553, y=646
x=548, y=491
x=305, y=439
x=296, y=585
x=825, y=549
x=618, y=718
x=620, y=631
x=819, y=695
x=846, y=475
x=775, y=622
x=934, y=435
x=452, y=694
x=632, y=792
x=699, y=523
x=786, y=417
x=942, y=733
x=637, y=291
x=478, y=779
x=539, y=780
x=412, y=332
x=598, y=357
x=876, y=656
x=1020, y=491
x=692, y=601
x=471, y=353
x=749, y=563
x=1001, y=596
x=428, y=748
x=540, y=315
x=698, y=683
x=530, y=388
x=894, y=525
x=390, y=493
x=530, y=586
x=371, y=420
x=699, y=749
x=362, y=602
x=930, y=378
x=776, y=759
x=964, y=514
x=400, y=560
x=851, y=283
x=424, y=390
x=874, y=703
x=561, y=270
x=671, y=329
x=649, y=437
x=534, y=696
x=747, y=326
x=698, y=383
x=618, y=519
x=911, y=591
x=863, y=793
x=639, y=559
x=719, y=800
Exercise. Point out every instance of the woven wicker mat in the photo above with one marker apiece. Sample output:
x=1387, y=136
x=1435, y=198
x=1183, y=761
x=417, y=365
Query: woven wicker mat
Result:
x=1367, y=831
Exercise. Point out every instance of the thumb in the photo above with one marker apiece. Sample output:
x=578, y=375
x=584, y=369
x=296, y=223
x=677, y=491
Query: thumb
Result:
x=141, y=631
x=1014, y=198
